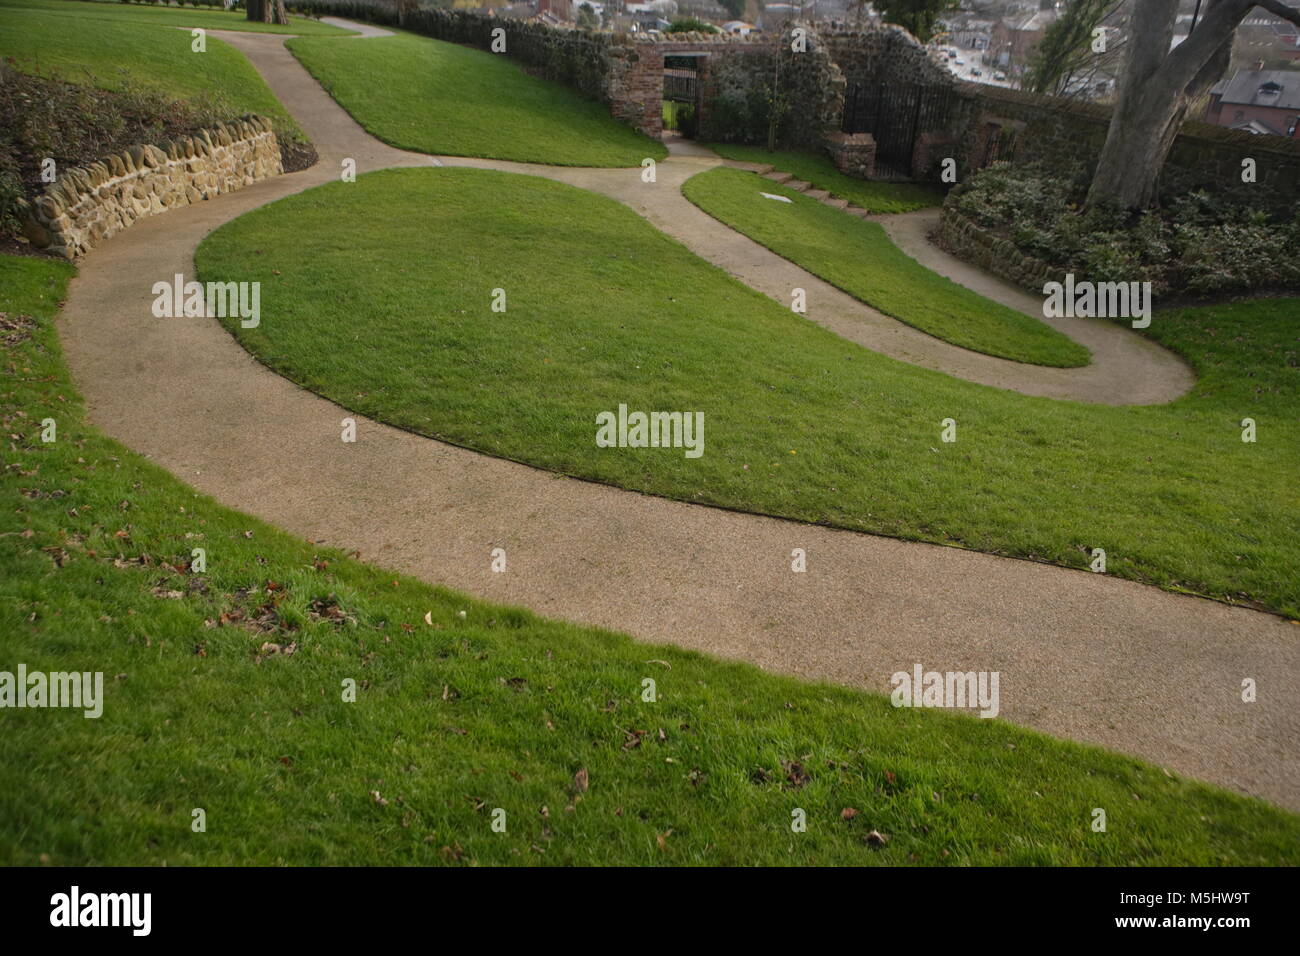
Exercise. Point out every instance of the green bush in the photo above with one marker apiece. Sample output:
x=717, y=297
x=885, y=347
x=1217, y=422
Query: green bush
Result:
x=1202, y=243
x=691, y=25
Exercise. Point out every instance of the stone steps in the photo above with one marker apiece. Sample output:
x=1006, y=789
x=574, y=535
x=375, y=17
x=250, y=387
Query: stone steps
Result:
x=821, y=195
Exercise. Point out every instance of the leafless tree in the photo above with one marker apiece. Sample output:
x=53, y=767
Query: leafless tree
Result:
x=1157, y=86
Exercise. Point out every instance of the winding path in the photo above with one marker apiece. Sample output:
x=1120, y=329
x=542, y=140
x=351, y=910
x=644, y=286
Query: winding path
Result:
x=1082, y=656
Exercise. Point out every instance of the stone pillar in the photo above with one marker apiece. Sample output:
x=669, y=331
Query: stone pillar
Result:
x=853, y=154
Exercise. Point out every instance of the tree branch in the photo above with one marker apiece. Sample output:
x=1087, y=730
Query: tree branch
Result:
x=1281, y=10
x=1186, y=60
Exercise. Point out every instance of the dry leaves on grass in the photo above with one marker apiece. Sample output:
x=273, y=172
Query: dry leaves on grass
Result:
x=795, y=773
x=269, y=649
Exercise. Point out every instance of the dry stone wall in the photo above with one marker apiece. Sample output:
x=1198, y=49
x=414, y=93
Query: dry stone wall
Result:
x=970, y=242
x=884, y=54
x=88, y=204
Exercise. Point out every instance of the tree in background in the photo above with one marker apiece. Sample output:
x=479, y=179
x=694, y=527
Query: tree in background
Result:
x=1067, y=57
x=586, y=18
x=1159, y=81
x=918, y=17
x=268, y=11
x=735, y=7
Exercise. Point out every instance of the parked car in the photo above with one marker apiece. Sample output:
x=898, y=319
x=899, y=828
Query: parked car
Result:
x=999, y=76
x=976, y=72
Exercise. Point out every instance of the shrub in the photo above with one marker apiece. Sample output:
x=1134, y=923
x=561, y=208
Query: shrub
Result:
x=1203, y=243
x=691, y=25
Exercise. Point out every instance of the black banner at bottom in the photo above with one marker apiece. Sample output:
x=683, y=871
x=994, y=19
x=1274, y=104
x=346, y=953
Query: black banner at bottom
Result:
x=333, y=906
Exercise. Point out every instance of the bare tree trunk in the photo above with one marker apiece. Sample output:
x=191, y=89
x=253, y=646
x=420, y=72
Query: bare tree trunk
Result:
x=1157, y=87
x=268, y=11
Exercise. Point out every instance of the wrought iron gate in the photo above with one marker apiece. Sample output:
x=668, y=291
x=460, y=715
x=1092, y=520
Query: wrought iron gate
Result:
x=895, y=114
x=679, y=85
x=680, y=79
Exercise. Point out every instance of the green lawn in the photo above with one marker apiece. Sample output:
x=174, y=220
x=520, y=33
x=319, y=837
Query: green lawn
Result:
x=860, y=258
x=433, y=97
x=821, y=172
x=455, y=719
x=372, y=307
x=206, y=17
x=114, y=54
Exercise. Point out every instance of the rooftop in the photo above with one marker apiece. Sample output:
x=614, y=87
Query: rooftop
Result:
x=1276, y=88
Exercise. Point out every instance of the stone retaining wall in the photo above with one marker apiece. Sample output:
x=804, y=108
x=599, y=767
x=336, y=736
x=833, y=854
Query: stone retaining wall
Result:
x=972, y=243
x=88, y=204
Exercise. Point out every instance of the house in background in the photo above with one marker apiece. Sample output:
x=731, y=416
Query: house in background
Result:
x=555, y=11
x=738, y=27
x=1258, y=101
x=1014, y=38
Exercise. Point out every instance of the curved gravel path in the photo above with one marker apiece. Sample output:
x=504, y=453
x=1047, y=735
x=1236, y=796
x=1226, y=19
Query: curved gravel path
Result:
x=1083, y=656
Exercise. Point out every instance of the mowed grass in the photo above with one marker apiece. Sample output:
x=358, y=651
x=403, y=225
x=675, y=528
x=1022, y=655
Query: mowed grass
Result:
x=860, y=258
x=877, y=197
x=433, y=97
x=113, y=54
x=177, y=16
x=373, y=307
x=456, y=718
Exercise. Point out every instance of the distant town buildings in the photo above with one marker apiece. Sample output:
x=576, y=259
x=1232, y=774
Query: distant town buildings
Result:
x=738, y=27
x=1013, y=38
x=1258, y=101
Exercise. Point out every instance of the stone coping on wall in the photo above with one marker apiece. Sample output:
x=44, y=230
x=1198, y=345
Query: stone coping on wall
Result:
x=87, y=204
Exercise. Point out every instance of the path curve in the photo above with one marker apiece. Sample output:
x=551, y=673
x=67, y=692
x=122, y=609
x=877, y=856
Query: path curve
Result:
x=1126, y=369
x=1081, y=655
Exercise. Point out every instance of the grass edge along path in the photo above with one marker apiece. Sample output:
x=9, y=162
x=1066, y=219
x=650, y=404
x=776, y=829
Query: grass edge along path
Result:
x=859, y=258
x=429, y=96
x=802, y=424
x=225, y=685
